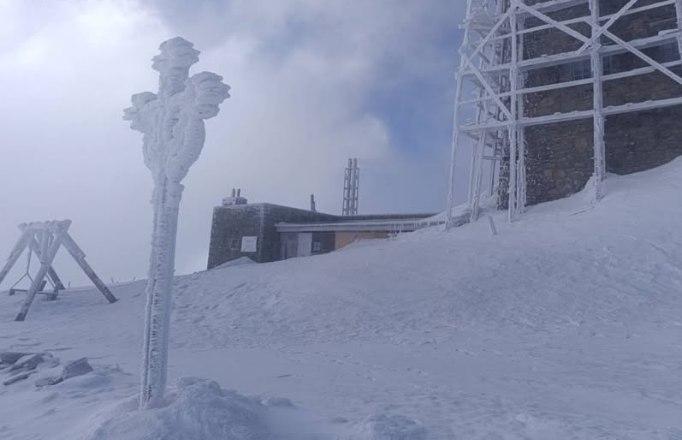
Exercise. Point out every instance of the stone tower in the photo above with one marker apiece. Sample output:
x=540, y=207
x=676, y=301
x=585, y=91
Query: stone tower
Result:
x=562, y=92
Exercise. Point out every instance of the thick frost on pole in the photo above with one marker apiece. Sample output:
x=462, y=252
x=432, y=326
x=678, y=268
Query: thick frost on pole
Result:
x=172, y=124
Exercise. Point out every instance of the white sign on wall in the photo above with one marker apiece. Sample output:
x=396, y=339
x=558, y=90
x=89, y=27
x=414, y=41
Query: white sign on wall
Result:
x=249, y=244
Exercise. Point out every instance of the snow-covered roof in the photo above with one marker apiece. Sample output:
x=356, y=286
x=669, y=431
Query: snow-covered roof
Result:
x=370, y=225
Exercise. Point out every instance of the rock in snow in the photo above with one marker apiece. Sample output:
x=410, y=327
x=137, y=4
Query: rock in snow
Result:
x=75, y=368
x=198, y=410
x=564, y=326
x=10, y=357
x=17, y=378
x=31, y=361
x=23, y=365
x=390, y=427
x=48, y=381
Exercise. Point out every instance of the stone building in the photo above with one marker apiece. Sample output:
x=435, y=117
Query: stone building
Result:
x=551, y=94
x=265, y=232
x=559, y=156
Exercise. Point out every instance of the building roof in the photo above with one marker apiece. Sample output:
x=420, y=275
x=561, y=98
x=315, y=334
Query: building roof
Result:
x=402, y=223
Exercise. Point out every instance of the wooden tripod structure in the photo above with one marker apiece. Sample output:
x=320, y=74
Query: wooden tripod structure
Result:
x=45, y=239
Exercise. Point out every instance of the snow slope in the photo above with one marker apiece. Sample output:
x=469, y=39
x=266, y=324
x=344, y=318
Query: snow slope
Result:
x=565, y=325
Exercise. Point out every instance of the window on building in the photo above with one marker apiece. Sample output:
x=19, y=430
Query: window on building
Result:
x=610, y=64
x=317, y=246
x=663, y=23
x=581, y=70
x=234, y=244
x=663, y=53
x=669, y=52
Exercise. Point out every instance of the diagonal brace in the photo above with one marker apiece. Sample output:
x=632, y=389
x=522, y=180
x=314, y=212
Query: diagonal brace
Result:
x=490, y=34
x=606, y=26
x=45, y=263
x=484, y=83
x=625, y=45
x=51, y=273
x=573, y=33
x=16, y=253
x=79, y=256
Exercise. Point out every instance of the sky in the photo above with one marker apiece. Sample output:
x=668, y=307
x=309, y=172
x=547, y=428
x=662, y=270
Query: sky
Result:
x=313, y=82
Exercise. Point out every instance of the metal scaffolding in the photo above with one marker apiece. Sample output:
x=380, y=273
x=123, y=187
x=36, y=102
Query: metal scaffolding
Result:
x=491, y=123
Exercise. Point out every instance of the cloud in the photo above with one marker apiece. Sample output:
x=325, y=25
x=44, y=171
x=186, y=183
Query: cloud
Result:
x=313, y=83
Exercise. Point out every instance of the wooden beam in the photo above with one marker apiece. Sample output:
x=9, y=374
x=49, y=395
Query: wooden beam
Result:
x=79, y=256
x=51, y=273
x=19, y=247
x=45, y=264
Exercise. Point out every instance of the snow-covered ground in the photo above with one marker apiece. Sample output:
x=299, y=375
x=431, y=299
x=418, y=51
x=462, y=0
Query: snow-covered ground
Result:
x=566, y=325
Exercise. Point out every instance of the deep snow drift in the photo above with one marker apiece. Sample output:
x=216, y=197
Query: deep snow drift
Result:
x=565, y=325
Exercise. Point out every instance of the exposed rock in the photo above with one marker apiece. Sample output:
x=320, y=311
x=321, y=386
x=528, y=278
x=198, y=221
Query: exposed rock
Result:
x=31, y=361
x=48, y=381
x=78, y=367
x=17, y=378
x=281, y=402
x=10, y=357
x=75, y=368
x=390, y=427
x=27, y=362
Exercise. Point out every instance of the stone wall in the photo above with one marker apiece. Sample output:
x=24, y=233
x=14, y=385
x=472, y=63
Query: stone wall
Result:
x=559, y=156
x=231, y=223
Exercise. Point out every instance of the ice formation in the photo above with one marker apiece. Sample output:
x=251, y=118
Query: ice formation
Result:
x=172, y=123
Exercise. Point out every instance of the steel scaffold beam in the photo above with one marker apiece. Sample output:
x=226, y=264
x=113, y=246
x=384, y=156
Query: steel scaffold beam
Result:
x=498, y=105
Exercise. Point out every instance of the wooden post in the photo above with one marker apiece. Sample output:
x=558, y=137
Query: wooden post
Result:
x=16, y=253
x=51, y=273
x=79, y=256
x=44, y=239
x=45, y=264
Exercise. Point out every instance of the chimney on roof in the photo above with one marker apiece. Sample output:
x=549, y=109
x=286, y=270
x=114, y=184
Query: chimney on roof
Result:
x=235, y=199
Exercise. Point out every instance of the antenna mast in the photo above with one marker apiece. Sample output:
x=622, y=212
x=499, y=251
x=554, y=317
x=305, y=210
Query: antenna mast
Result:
x=351, y=188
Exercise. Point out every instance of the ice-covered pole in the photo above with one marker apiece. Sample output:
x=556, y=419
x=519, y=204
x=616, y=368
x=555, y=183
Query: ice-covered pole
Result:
x=172, y=124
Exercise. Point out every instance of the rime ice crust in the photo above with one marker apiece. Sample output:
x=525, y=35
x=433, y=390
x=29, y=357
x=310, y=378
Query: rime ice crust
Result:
x=172, y=120
x=172, y=124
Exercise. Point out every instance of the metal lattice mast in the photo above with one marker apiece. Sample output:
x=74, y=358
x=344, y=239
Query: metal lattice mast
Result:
x=494, y=65
x=351, y=188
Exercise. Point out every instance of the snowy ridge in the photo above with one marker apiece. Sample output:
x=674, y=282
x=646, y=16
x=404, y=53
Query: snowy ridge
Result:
x=566, y=265
x=566, y=325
